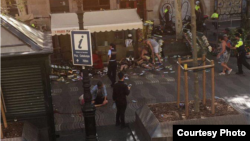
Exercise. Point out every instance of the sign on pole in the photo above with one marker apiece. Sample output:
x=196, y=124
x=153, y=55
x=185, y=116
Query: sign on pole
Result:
x=81, y=48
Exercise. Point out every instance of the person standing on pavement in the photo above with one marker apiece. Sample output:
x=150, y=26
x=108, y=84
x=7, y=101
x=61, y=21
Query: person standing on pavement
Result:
x=198, y=13
x=166, y=16
x=129, y=46
x=228, y=46
x=120, y=92
x=215, y=17
x=241, y=57
x=155, y=48
x=223, y=57
x=112, y=64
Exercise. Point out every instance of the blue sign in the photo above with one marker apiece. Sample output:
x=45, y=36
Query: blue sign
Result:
x=81, y=48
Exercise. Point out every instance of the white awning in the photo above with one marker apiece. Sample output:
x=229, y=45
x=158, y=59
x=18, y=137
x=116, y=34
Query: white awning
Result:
x=96, y=21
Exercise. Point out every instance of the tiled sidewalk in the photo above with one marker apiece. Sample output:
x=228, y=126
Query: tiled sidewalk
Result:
x=154, y=86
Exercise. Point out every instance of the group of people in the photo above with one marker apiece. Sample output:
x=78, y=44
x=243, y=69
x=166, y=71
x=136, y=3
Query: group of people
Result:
x=120, y=89
x=225, y=50
x=120, y=92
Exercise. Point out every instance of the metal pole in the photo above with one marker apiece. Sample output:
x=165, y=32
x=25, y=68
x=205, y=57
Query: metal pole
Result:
x=88, y=108
x=179, y=83
x=186, y=90
x=212, y=80
x=204, y=79
x=195, y=62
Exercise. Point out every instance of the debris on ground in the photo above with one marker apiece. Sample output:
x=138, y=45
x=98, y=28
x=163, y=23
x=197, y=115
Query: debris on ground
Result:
x=166, y=112
x=13, y=130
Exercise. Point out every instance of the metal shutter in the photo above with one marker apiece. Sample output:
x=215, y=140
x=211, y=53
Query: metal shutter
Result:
x=23, y=90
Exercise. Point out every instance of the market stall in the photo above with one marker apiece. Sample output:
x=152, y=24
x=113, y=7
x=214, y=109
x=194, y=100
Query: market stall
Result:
x=111, y=26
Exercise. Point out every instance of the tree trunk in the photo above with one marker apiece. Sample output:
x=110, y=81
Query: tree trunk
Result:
x=195, y=62
x=178, y=19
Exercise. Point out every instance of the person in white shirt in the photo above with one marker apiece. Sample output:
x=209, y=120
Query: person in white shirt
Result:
x=155, y=48
x=129, y=46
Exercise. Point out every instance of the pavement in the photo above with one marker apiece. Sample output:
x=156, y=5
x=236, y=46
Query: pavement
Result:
x=105, y=133
x=153, y=87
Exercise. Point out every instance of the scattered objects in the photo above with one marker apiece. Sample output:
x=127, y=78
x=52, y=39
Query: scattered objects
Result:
x=216, y=97
x=167, y=67
x=70, y=76
x=207, y=70
x=61, y=79
x=114, y=106
x=134, y=101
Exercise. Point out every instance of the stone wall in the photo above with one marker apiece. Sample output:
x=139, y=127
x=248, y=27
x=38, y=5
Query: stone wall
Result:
x=156, y=8
x=39, y=8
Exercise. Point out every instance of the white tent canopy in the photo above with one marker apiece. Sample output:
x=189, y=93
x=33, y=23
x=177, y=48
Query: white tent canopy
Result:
x=96, y=21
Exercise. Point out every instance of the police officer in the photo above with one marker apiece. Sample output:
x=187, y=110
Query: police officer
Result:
x=241, y=57
x=166, y=16
x=112, y=64
x=215, y=16
x=197, y=11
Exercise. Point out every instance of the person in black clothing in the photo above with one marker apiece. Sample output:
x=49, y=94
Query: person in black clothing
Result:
x=241, y=57
x=166, y=16
x=120, y=91
x=112, y=64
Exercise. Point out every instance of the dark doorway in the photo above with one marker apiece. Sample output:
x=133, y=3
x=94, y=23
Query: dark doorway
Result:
x=59, y=6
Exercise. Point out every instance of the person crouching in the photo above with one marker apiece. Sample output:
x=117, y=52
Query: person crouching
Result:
x=99, y=94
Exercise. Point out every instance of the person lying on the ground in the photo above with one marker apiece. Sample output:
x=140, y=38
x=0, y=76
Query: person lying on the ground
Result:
x=146, y=64
x=145, y=55
x=99, y=94
x=124, y=64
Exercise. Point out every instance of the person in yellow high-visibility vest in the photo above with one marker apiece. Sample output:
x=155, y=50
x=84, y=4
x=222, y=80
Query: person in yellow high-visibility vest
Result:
x=197, y=11
x=215, y=16
x=34, y=24
x=166, y=16
x=241, y=57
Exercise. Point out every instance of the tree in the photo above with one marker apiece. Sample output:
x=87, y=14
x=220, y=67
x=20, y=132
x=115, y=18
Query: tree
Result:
x=195, y=62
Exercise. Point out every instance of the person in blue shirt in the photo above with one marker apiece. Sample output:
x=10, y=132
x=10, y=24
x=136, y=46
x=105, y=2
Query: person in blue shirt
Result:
x=99, y=94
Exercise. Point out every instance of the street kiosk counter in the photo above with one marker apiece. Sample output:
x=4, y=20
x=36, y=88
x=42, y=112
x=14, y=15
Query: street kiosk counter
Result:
x=109, y=26
x=25, y=83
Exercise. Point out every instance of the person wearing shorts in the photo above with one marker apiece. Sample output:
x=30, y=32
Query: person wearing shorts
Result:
x=155, y=48
x=223, y=57
x=228, y=46
x=145, y=55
